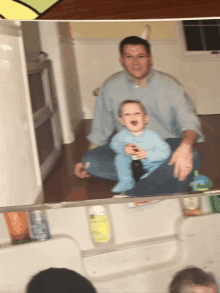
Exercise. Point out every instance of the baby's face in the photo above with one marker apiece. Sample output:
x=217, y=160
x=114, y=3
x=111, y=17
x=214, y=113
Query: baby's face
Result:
x=202, y=289
x=133, y=117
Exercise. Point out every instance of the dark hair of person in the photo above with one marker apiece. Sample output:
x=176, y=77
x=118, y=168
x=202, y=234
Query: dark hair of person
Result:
x=134, y=40
x=59, y=280
x=185, y=280
x=120, y=112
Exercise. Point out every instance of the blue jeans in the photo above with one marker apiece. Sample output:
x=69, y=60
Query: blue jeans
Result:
x=161, y=181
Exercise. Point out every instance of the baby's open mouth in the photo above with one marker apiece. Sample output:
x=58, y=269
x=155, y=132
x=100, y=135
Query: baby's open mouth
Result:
x=134, y=122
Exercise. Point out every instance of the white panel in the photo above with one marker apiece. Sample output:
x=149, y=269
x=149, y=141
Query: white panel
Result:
x=131, y=260
x=134, y=269
x=51, y=44
x=71, y=221
x=20, y=182
x=143, y=222
x=72, y=83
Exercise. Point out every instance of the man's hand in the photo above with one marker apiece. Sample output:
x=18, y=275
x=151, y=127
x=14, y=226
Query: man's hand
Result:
x=80, y=171
x=92, y=146
x=183, y=160
x=140, y=153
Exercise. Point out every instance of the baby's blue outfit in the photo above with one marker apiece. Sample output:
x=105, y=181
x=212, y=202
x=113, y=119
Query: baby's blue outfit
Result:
x=157, y=152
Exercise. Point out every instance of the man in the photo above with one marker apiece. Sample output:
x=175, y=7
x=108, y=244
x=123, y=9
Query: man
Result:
x=193, y=280
x=172, y=117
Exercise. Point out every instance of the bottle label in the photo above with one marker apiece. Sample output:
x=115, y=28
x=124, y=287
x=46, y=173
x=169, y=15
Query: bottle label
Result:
x=17, y=225
x=192, y=206
x=191, y=203
x=39, y=226
x=100, y=228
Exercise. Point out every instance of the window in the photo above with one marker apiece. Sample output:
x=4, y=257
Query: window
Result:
x=202, y=35
x=199, y=37
x=45, y=114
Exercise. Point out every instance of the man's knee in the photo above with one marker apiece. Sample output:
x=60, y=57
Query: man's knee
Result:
x=100, y=162
x=88, y=156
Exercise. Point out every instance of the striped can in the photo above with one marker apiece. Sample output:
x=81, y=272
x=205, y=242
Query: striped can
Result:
x=39, y=226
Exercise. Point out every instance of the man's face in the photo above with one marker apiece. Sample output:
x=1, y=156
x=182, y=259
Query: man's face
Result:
x=136, y=60
x=133, y=117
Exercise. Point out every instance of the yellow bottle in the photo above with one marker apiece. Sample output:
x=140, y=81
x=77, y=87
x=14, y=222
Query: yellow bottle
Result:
x=99, y=217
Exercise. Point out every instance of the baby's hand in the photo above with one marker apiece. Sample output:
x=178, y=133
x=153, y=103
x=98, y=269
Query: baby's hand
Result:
x=130, y=149
x=140, y=154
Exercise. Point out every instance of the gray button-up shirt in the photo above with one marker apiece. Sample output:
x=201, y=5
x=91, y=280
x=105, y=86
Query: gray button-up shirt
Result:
x=169, y=108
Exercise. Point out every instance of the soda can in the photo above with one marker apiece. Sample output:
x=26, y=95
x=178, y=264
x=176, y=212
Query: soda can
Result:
x=39, y=226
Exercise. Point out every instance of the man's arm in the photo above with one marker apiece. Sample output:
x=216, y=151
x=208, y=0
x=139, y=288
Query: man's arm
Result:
x=190, y=126
x=189, y=138
x=103, y=124
x=185, y=113
x=183, y=156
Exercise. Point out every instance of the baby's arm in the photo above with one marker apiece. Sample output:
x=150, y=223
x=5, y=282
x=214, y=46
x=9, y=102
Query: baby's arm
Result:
x=118, y=142
x=120, y=145
x=159, y=150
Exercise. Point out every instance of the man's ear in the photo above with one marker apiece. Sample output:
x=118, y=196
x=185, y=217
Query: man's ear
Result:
x=151, y=59
x=121, y=120
x=146, y=119
x=121, y=58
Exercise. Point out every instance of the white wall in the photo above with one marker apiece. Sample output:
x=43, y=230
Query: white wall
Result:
x=98, y=58
x=20, y=182
x=51, y=44
x=71, y=81
x=31, y=37
x=160, y=29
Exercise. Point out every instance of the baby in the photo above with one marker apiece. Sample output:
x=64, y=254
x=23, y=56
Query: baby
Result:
x=193, y=280
x=135, y=140
x=59, y=280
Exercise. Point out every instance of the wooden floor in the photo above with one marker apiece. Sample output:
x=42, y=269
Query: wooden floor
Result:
x=131, y=9
x=62, y=185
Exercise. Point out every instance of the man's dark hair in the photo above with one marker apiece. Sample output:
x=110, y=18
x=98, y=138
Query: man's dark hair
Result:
x=134, y=40
x=185, y=280
x=120, y=112
x=58, y=280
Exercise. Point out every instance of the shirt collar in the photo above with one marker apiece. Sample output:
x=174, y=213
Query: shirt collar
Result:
x=145, y=80
x=137, y=134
